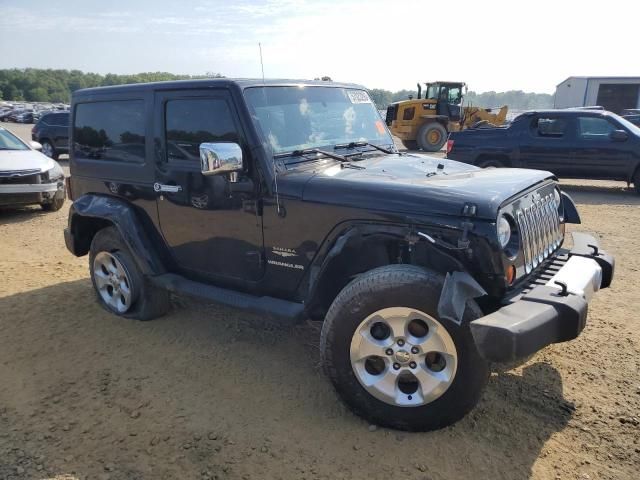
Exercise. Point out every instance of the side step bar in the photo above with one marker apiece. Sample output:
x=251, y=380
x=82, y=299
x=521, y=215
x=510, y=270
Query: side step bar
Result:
x=273, y=307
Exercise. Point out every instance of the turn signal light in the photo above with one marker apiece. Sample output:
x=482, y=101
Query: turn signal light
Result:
x=510, y=273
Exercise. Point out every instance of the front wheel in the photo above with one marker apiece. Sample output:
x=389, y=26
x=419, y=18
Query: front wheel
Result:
x=54, y=205
x=431, y=137
x=393, y=360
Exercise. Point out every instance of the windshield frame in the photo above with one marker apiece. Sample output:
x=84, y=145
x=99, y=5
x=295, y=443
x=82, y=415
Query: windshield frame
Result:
x=298, y=155
x=627, y=124
x=15, y=137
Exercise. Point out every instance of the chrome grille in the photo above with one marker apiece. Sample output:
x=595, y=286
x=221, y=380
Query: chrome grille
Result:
x=539, y=226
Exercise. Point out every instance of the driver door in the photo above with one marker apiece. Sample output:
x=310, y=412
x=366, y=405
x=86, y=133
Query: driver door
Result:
x=211, y=224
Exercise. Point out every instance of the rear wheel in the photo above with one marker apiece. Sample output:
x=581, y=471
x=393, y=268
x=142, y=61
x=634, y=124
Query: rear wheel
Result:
x=393, y=360
x=119, y=284
x=489, y=163
x=410, y=144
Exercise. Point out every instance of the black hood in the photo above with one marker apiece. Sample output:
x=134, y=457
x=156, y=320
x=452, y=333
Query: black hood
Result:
x=414, y=184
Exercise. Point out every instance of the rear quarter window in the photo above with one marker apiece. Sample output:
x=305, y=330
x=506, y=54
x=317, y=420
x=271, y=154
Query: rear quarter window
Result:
x=110, y=131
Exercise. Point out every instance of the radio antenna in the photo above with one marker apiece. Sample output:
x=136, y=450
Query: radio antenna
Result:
x=275, y=168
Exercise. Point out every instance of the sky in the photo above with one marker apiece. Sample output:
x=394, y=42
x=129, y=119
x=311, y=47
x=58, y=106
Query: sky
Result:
x=490, y=44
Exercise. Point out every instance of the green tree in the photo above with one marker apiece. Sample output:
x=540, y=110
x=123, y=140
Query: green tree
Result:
x=37, y=94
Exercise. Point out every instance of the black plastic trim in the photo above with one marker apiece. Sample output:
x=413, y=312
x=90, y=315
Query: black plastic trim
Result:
x=274, y=307
x=540, y=318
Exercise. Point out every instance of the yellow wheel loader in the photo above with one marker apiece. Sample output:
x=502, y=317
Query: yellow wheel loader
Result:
x=426, y=122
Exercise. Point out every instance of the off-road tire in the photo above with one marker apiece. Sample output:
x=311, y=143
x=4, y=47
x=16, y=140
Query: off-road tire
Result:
x=54, y=205
x=413, y=287
x=150, y=302
x=426, y=131
x=410, y=144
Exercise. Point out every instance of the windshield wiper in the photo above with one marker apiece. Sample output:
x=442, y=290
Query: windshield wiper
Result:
x=299, y=153
x=364, y=144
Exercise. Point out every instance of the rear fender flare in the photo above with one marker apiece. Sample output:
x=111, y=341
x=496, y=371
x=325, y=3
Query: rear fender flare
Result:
x=124, y=217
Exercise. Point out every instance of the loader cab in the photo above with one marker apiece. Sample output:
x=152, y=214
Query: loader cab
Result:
x=448, y=98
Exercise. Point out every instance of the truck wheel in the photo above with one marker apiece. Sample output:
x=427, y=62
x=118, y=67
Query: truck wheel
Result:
x=490, y=164
x=636, y=181
x=393, y=360
x=431, y=137
x=120, y=286
x=410, y=144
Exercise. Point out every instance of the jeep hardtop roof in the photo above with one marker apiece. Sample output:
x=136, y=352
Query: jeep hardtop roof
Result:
x=242, y=83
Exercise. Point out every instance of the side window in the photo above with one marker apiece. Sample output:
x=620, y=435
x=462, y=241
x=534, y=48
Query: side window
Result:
x=110, y=131
x=549, y=127
x=190, y=122
x=594, y=128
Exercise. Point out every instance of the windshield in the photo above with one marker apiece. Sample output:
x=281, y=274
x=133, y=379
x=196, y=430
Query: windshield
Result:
x=303, y=117
x=627, y=124
x=10, y=142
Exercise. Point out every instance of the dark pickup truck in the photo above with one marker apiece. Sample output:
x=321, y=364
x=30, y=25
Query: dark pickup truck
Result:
x=574, y=143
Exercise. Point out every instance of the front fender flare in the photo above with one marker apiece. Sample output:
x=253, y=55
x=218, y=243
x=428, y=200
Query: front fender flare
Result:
x=123, y=216
x=571, y=214
x=311, y=287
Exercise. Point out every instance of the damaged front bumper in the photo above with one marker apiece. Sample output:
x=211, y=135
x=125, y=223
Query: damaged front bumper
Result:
x=30, y=193
x=553, y=311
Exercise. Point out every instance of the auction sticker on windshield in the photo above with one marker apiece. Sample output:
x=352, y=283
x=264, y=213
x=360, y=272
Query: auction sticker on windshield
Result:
x=358, y=96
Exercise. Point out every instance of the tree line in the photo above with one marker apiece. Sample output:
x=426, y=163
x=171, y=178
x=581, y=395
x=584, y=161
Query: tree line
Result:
x=47, y=85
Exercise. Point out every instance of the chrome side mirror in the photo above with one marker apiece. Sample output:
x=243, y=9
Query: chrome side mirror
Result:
x=220, y=157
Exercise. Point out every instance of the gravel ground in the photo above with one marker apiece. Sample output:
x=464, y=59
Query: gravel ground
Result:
x=208, y=392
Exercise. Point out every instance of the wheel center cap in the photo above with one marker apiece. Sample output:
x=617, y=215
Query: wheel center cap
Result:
x=402, y=356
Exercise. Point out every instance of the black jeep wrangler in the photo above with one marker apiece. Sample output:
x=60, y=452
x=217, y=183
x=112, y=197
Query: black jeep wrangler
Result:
x=290, y=199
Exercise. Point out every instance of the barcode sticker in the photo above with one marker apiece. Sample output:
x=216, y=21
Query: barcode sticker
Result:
x=358, y=96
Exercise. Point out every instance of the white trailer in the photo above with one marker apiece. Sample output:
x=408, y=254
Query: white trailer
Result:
x=612, y=93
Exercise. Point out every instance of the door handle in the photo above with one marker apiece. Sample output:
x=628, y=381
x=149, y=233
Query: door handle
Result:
x=158, y=187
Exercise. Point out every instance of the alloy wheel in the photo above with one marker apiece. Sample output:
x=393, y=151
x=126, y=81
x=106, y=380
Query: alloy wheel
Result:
x=403, y=357
x=113, y=282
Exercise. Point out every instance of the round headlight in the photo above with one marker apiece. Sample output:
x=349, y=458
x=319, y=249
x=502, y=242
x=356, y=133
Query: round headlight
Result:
x=504, y=231
x=556, y=196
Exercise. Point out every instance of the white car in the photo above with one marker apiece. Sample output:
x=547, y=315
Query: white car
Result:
x=27, y=177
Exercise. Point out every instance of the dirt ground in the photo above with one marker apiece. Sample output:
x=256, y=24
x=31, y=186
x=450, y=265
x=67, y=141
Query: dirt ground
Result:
x=208, y=392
